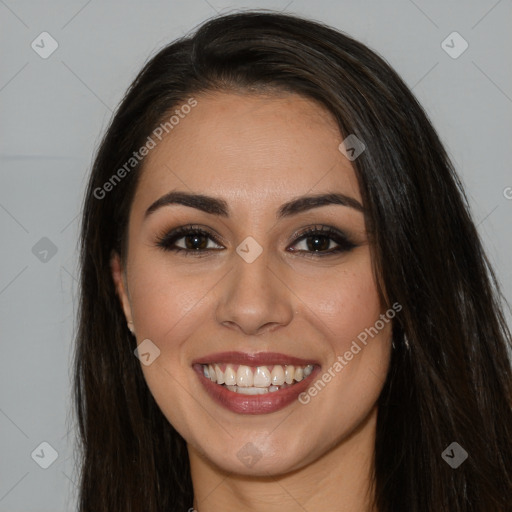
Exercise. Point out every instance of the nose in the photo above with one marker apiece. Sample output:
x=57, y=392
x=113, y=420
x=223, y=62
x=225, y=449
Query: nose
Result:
x=254, y=298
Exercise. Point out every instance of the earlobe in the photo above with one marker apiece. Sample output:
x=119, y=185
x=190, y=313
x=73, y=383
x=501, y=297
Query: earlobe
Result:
x=118, y=276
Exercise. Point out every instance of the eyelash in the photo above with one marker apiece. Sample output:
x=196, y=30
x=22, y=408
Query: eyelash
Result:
x=167, y=240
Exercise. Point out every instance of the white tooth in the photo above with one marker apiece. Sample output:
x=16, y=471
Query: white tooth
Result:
x=220, y=375
x=213, y=375
x=299, y=373
x=244, y=376
x=308, y=370
x=229, y=376
x=261, y=377
x=231, y=388
x=252, y=391
x=289, y=372
x=277, y=375
x=205, y=371
x=273, y=388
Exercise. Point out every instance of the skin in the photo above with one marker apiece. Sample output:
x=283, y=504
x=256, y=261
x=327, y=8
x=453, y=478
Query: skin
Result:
x=257, y=152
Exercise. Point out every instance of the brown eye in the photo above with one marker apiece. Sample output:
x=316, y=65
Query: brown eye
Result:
x=319, y=241
x=195, y=242
x=188, y=239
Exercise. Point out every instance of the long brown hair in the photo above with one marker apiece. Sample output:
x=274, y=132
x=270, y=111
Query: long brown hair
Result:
x=451, y=383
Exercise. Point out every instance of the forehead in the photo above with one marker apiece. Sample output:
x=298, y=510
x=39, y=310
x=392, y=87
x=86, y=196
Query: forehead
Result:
x=250, y=149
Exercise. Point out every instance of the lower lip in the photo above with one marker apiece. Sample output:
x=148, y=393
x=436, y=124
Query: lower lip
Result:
x=254, y=404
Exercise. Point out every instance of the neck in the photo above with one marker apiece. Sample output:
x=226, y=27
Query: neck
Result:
x=340, y=479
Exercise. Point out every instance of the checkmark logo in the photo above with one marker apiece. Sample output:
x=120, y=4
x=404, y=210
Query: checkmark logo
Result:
x=249, y=454
x=249, y=250
x=44, y=455
x=352, y=147
x=147, y=352
x=454, y=45
x=454, y=455
x=44, y=250
x=44, y=45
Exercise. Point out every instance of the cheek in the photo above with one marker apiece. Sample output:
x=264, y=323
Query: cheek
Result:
x=344, y=301
x=162, y=299
x=345, y=307
x=168, y=308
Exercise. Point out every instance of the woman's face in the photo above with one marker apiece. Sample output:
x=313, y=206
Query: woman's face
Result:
x=273, y=306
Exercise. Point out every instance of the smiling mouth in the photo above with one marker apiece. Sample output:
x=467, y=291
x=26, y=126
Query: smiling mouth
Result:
x=255, y=380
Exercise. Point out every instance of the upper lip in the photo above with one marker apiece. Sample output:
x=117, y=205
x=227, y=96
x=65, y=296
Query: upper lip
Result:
x=252, y=359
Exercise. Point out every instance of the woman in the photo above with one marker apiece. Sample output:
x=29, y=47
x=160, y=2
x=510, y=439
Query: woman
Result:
x=273, y=228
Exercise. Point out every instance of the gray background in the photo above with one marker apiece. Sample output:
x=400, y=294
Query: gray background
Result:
x=53, y=112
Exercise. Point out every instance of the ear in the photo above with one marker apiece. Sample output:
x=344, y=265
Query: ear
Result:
x=118, y=275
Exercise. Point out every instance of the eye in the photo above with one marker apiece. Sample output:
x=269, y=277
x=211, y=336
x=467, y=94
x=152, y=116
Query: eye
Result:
x=190, y=239
x=316, y=241
x=319, y=241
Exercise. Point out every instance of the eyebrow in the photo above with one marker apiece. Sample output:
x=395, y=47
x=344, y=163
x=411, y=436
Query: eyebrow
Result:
x=215, y=206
